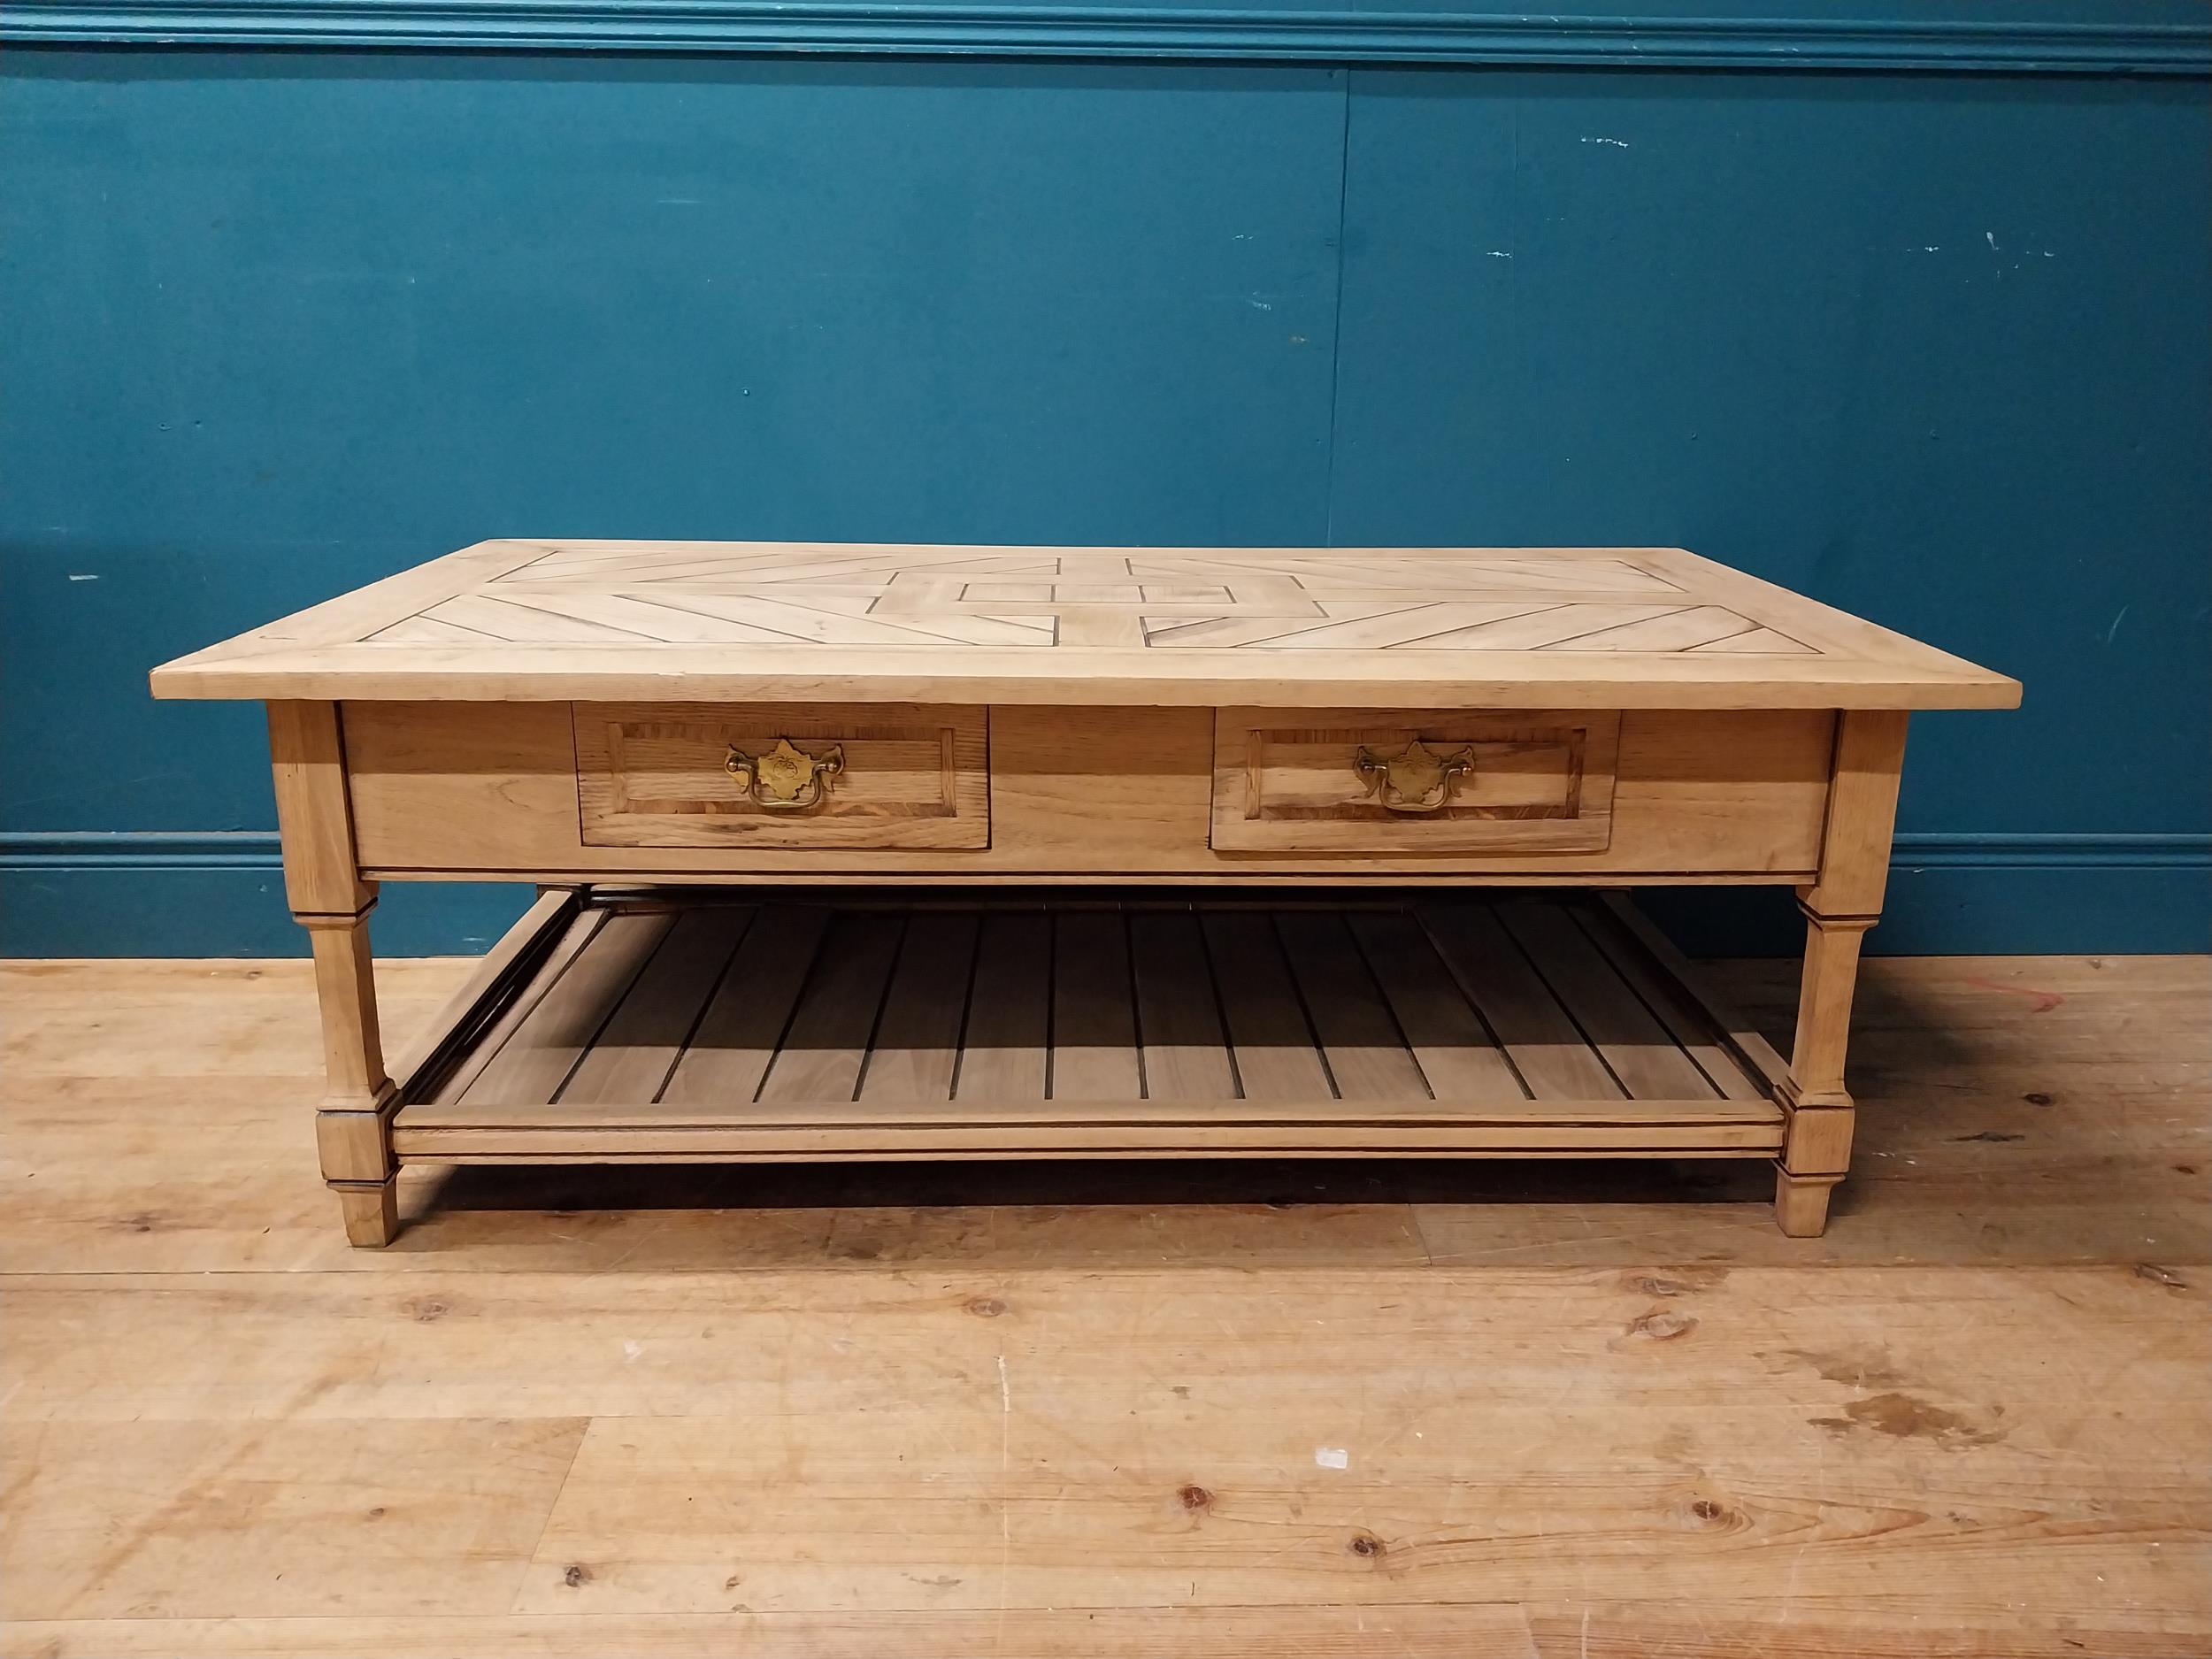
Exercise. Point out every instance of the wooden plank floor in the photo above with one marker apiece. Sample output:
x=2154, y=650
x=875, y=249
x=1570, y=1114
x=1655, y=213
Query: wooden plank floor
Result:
x=1275, y=1408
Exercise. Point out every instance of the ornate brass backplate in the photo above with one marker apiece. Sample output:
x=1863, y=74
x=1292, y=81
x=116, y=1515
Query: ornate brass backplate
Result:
x=786, y=779
x=1414, y=780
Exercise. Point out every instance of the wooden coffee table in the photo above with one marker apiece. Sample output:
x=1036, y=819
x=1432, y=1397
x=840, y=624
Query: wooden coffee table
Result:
x=871, y=852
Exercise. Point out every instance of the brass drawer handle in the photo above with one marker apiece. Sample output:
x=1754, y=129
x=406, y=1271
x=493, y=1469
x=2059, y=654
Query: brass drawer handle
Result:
x=1414, y=780
x=786, y=779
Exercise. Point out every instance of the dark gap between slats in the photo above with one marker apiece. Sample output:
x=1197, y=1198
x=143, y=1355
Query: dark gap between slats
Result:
x=1536, y=972
x=691, y=1033
x=1600, y=928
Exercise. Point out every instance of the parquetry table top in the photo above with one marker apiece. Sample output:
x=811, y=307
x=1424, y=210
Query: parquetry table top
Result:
x=773, y=621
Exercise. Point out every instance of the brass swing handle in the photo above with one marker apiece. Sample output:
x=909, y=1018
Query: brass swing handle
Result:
x=1414, y=780
x=786, y=779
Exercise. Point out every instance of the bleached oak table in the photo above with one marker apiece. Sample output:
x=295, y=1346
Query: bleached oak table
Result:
x=962, y=778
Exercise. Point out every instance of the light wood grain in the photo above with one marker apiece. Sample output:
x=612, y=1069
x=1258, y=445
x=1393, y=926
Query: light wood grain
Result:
x=1093, y=1011
x=1006, y=1047
x=314, y=816
x=928, y=1031
x=1287, y=779
x=188, y=1520
x=511, y=958
x=324, y=886
x=729, y=1050
x=1547, y=1050
x=1368, y=1057
x=917, y=1043
x=1639, y=1050
x=656, y=775
x=1270, y=1035
x=819, y=1058
x=1861, y=810
x=534, y=1060
x=447, y=789
x=1417, y=1631
x=154, y=1122
x=1089, y=1401
x=1839, y=908
x=1446, y=627
x=1459, y=1055
x=632, y=1054
x=354, y=1074
x=1187, y=1054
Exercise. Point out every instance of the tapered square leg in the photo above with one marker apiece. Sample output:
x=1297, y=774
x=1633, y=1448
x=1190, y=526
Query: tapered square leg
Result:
x=329, y=899
x=1800, y=1203
x=371, y=1212
x=353, y=1126
x=1838, y=910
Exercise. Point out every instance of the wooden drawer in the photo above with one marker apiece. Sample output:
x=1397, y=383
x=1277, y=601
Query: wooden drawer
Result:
x=800, y=775
x=1126, y=793
x=1425, y=781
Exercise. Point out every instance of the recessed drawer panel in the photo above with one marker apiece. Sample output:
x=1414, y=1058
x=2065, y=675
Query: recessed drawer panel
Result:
x=1427, y=780
x=856, y=775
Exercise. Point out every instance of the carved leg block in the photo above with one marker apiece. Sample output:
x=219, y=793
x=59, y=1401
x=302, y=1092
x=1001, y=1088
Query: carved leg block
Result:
x=371, y=1211
x=1800, y=1203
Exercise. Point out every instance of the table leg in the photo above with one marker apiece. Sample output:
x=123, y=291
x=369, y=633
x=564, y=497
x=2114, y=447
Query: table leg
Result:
x=328, y=898
x=353, y=1121
x=1818, y=1151
x=1838, y=910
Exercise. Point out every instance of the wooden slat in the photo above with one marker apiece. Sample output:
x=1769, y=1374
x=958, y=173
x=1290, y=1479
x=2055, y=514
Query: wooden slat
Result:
x=917, y=1045
x=1276, y=1056
x=632, y=1058
x=548, y=973
x=1695, y=1028
x=1419, y=1111
x=1004, y=1055
x=822, y=1052
x=716, y=1145
x=1545, y=1047
x=1643, y=1054
x=1186, y=1055
x=1093, y=1009
x=1745, y=1042
x=554, y=912
x=735, y=1042
x=1458, y=1055
x=534, y=1063
x=1366, y=1052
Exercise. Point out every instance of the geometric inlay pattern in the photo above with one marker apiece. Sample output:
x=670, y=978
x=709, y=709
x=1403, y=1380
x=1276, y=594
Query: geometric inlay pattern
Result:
x=673, y=593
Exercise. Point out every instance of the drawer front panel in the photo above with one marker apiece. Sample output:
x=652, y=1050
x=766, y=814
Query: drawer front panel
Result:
x=1425, y=781
x=796, y=775
x=491, y=788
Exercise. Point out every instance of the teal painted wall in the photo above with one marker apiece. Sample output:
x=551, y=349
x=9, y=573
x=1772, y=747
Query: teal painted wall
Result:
x=1935, y=346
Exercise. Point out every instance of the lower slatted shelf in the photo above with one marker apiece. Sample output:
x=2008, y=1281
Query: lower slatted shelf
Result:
x=677, y=1026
